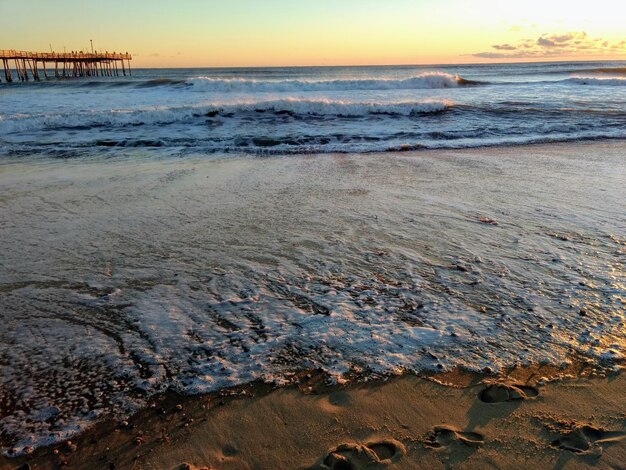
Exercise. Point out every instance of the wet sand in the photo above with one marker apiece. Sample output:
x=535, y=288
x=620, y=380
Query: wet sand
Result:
x=123, y=278
x=403, y=422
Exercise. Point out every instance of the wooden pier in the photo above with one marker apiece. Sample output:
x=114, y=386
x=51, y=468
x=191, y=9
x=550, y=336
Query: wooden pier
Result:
x=63, y=64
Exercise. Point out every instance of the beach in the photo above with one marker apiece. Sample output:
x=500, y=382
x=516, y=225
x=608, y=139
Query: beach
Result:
x=324, y=299
x=322, y=235
x=575, y=421
x=312, y=235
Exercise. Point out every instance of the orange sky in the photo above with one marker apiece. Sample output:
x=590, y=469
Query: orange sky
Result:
x=162, y=33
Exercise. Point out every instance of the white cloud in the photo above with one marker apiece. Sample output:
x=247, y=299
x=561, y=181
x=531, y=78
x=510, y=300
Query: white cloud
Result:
x=552, y=45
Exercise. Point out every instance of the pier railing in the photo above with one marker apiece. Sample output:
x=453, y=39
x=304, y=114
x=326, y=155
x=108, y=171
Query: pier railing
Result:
x=12, y=54
x=66, y=64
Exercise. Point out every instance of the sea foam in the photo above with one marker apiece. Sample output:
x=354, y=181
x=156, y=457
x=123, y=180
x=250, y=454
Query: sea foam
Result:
x=169, y=115
x=428, y=80
x=596, y=81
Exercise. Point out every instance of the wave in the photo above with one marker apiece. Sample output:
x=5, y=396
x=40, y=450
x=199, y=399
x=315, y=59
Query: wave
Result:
x=161, y=82
x=325, y=107
x=609, y=70
x=153, y=116
x=574, y=80
x=596, y=81
x=268, y=145
x=99, y=82
x=597, y=70
x=429, y=80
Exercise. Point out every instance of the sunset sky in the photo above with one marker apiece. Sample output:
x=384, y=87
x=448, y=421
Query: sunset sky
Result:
x=162, y=33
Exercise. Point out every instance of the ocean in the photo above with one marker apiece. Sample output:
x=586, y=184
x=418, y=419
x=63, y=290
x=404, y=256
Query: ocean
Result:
x=315, y=110
x=197, y=229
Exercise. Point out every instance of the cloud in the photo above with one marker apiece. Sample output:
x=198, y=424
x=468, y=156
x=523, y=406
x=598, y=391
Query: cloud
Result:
x=545, y=42
x=504, y=47
x=552, y=45
x=493, y=55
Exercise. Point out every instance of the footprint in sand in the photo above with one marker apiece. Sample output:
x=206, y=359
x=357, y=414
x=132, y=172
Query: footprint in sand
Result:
x=586, y=439
x=500, y=393
x=444, y=436
x=370, y=455
x=189, y=466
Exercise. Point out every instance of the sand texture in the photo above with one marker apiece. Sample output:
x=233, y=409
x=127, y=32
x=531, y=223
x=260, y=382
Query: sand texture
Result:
x=406, y=422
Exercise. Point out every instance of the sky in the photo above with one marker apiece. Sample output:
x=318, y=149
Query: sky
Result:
x=198, y=33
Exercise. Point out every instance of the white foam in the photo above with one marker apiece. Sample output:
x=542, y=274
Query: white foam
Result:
x=328, y=107
x=593, y=81
x=169, y=115
x=222, y=272
x=428, y=80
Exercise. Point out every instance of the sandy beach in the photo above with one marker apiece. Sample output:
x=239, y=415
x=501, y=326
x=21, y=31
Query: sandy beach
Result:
x=323, y=285
x=515, y=420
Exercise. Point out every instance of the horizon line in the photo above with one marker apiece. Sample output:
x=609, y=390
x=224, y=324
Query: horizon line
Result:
x=382, y=65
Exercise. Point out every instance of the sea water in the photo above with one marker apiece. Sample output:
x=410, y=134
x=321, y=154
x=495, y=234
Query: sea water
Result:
x=314, y=110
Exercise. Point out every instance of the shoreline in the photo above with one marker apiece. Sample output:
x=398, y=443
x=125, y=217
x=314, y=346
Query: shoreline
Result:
x=242, y=403
x=402, y=151
x=527, y=416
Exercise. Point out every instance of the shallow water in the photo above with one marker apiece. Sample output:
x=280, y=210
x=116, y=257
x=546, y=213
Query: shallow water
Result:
x=124, y=276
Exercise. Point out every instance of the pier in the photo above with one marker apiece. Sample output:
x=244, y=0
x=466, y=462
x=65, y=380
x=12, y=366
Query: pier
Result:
x=29, y=65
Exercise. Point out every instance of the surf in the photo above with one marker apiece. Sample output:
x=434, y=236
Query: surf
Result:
x=426, y=80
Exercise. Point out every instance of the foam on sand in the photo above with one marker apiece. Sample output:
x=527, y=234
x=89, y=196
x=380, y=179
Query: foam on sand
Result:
x=127, y=277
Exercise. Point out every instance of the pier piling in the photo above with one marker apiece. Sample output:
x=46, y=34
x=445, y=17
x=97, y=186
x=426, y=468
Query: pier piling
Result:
x=74, y=64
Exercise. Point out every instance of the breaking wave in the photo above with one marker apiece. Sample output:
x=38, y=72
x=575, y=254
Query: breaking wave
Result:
x=428, y=80
x=596, y=81
x=290, y=106
x=327, y=107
